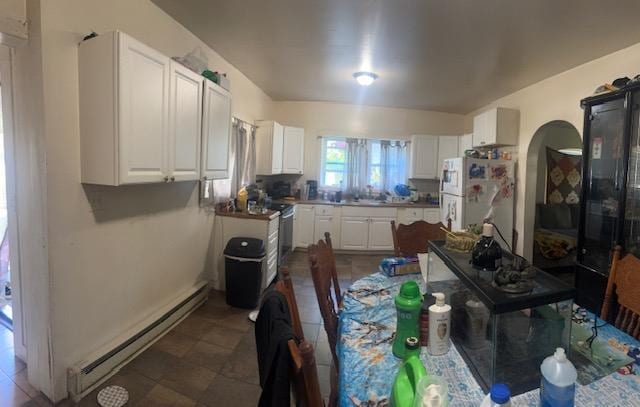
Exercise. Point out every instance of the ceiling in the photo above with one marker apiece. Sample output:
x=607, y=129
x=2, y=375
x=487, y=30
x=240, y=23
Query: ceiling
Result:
x=444, y=55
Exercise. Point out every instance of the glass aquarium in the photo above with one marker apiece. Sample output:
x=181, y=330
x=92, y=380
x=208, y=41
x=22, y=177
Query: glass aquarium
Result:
x=503, y=337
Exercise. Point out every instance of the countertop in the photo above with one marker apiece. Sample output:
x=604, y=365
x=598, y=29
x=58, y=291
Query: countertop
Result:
x=363, y=203
x=246, y=215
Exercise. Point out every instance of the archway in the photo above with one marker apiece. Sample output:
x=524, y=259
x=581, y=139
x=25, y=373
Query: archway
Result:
x=557, y=135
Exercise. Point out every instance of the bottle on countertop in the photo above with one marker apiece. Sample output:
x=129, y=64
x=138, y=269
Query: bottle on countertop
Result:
x=427, y=301
x=408, y=303
x=558, y=382
x=499, y=396
x=439, y=326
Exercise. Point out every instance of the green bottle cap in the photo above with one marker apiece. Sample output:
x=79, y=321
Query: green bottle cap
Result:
x=410, y=290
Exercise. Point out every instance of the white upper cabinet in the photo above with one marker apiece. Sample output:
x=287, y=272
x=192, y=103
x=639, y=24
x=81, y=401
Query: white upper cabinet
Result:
x=279, y=149
x=141, y=116
x=216, y=131
x=293, y=150
x=269, y=147
x=466, y=143
x=447, y=148
x=496, y=127
x=185, y=122
x=424, y=157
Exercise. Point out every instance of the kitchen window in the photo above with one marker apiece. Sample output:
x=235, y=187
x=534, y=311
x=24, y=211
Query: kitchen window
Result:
x=355, y=165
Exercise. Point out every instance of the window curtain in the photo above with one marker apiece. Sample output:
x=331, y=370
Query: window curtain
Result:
x=242, y=156
x=357, y=162
x=393, y=163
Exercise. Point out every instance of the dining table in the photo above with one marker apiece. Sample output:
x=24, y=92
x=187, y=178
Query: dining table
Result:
x=367, y=366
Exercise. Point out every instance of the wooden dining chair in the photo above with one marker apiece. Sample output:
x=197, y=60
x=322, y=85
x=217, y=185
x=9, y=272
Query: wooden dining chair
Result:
x=322, y=265
x=621, y=303
x=334, y=270
x=409, y=240
x=304, y=371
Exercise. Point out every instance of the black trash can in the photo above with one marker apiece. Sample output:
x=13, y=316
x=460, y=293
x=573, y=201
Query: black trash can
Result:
x=243, y=271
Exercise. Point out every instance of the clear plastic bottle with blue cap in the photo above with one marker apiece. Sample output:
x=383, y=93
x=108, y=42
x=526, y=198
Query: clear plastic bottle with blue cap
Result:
x=499, y=396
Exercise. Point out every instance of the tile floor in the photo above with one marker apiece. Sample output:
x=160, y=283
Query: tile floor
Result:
x=207, y=360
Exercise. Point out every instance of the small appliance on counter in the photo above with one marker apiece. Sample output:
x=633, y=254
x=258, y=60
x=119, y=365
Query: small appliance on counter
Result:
x=312, y=190
x=280, y=189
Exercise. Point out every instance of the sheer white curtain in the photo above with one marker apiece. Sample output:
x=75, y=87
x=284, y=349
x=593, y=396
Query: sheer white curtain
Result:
x=242, y=156
x=393, y=162
x=357, y=164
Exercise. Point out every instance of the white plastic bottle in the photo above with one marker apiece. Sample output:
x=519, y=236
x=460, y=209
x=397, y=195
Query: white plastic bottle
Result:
x=499, y=396
x=558, y=383
x=439, y=326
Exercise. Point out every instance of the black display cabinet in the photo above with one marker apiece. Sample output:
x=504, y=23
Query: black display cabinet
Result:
x=610, y=204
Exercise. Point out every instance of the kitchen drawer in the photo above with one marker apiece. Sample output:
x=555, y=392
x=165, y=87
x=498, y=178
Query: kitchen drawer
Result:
x=432, y=215
x=273, y=226
x=413, y=213
x=272, y=243
x=272, y=268
x=324, y=210
x=367, y=212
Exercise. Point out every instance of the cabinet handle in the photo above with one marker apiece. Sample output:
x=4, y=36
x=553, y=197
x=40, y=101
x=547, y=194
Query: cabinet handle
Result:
x=204, y=178
x=173, y=179
x=166, y=179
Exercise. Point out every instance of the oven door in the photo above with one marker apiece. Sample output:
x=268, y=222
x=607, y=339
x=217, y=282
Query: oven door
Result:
x=285, y=235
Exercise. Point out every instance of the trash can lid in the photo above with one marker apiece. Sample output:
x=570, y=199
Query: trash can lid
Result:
x=245, y=247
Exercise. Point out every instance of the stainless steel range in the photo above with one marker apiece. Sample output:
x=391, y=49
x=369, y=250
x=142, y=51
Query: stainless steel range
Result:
x=285, y=232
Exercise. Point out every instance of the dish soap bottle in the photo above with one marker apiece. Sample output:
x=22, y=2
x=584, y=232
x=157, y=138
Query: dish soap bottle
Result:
x=408, y=303
x=499, y=396
x=558, y=382
x=409, y=375
x=439, y=326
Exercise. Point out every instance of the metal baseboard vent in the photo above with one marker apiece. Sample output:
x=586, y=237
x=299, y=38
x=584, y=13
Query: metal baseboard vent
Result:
x=85, y=376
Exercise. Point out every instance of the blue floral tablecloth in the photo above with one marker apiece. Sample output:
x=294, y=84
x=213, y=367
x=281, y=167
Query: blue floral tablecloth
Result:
x=368, y=367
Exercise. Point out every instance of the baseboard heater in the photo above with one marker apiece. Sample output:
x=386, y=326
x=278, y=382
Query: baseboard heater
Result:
x=85, y=376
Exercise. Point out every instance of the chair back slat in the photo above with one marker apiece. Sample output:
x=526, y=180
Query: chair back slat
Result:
x=285, y=286
x=334, y=269
x=624, y=286
x=303, y=367
x=409, y=240
x=320, y=263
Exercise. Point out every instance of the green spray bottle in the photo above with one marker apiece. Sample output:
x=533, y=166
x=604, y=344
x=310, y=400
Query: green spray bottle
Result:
x=411, y=371
x=408, y=304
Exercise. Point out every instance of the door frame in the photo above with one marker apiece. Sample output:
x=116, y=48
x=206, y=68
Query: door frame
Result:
x=8, y=118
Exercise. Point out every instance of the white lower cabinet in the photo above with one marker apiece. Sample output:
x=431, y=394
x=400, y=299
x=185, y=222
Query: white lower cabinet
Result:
x=306, y=224
x=355, y=233
x=323, y=223
x=432, y=215
x=380, y=237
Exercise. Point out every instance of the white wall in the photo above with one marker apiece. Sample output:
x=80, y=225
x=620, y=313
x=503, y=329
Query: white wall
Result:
x=555, y=98
x=13, y=16
x=116, y=255
x=323, y=118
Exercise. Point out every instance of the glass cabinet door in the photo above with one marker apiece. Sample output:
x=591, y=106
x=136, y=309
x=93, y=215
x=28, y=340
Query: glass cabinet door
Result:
x=632, y=206
x=603, y=183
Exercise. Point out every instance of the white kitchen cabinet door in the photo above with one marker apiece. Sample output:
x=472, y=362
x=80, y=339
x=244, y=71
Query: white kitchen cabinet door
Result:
x=432, y=215
x=466, y=143
x=447, y=148
x=354, y=233
x=185, y=123
x=143, y=112
x=424, y=157
x=306, y=224
x=324, y=223
x=293, y=150
x=269, y=146
x=216, y=131
x=380, y=237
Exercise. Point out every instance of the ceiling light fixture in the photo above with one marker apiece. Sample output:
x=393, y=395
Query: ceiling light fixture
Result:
x=365, y=78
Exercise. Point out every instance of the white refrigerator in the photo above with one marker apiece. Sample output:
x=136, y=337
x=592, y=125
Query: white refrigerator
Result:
x=475, y=189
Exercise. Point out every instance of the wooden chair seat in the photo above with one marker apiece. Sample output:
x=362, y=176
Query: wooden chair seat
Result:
x=621, y=304
x=409, y=240
x=303, y=369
